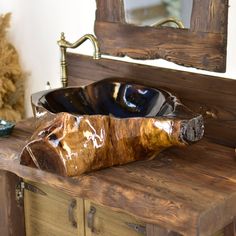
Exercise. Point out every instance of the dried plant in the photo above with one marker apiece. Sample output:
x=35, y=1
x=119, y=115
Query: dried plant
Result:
x=11, y=76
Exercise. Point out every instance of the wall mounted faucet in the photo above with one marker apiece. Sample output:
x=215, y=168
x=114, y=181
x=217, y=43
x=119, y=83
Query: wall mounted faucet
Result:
x=65, y=44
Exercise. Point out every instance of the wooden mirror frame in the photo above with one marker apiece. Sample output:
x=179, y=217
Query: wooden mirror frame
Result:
x=203, y=46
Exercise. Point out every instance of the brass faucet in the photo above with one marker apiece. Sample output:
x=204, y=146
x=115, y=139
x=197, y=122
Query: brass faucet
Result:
x=65, y=44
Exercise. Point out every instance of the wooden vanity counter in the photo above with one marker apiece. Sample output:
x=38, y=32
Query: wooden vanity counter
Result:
x=191, y=191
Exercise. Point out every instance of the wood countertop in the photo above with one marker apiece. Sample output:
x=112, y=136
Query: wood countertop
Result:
x=190, y=190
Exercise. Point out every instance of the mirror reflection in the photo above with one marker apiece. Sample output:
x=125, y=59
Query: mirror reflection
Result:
x=157, y=12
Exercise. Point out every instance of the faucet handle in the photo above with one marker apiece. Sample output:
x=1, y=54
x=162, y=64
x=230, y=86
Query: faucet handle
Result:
x=62, y=42
x=63, y=36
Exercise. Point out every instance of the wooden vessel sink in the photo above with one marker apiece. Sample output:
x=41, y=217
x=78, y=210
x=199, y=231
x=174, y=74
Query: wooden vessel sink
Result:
x=111, y=122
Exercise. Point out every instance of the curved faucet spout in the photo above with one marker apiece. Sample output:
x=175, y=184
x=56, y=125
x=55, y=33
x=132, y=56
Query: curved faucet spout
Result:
x=64, y=44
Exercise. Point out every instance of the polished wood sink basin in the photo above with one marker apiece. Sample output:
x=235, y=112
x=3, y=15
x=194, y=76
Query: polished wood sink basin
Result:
x=81, y=129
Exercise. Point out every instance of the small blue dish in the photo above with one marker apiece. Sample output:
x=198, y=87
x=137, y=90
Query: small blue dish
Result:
x=6, y=127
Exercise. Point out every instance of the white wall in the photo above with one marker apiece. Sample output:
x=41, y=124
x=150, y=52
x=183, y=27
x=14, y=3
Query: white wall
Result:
x=36, y=26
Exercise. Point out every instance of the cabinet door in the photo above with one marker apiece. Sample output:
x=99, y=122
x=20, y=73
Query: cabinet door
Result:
x=49, y=212
x=106, y=222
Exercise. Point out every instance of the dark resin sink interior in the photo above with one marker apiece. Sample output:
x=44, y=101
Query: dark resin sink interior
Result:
x=117, y=99
x=82, y=129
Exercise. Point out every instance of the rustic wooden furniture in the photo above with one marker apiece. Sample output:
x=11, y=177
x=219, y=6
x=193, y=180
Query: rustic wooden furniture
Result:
x=188, y=191
x=202, y=46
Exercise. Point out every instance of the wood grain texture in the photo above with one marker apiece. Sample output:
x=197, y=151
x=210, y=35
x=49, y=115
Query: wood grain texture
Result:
x=47, y=215
x=190, y=191
x=234, y=225
x=226, y=231
x=11, y=215
x=154, y=230
x=229, y=230
x=110, y=223
x=88, y=143
x=213, y=97
x=80, y=216
x=158, y=43
x=202, y=46
x=110, y=10
x=213, y=20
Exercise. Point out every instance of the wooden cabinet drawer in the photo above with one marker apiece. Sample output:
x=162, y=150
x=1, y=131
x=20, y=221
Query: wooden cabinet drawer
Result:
x=49, y=212
x=106, y=222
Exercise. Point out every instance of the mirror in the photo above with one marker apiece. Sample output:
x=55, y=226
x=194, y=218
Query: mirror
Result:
x=202, y=44
x=152, y=12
